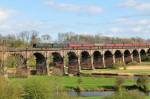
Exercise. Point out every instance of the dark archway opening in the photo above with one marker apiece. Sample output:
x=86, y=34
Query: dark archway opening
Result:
x=148, y=55
x=143, y=55
x=57, y=60
x=108, y=59
x=73, y=65
x=127, y=57
x=41, y=68
x=118, y=57
x=85, y=60
x=97, y=60
x=135, y=54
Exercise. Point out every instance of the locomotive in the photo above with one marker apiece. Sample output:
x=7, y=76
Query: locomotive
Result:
x=71, y=45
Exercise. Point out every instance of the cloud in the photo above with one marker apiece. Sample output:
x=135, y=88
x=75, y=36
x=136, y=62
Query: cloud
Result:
x=135, y=4
x=131, y=27
x=5, y=14
x=86, y=9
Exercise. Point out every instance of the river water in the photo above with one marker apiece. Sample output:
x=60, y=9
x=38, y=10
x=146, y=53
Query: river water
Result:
x=91, y=93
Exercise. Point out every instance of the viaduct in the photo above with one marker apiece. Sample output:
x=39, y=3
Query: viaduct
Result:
x=71, y=61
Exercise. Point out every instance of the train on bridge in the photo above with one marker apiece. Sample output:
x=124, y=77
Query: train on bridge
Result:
x=78, y=46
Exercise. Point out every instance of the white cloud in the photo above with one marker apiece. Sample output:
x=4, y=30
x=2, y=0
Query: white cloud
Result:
x=135, y=4
x=87, y=9
x=4, y=14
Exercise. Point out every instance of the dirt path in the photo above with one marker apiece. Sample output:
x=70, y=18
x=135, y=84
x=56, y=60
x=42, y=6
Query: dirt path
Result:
x=138, y=67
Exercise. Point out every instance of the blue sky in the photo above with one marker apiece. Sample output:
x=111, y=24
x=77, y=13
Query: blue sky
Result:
x=118, y=18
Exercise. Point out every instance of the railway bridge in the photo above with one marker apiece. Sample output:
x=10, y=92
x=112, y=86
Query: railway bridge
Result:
x=72, y=60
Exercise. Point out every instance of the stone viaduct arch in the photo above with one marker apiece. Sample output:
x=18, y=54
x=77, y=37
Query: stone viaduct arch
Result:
x=97, y=60
x=81, y=59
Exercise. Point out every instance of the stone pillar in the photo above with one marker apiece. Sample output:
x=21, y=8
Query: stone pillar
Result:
x=103, y=59
x=114, y=61
x=65, y=65
x=92, y=62
x=132, y=57
x=79, y=63
x=123, y=60
x=47, y=65
x=139, y=58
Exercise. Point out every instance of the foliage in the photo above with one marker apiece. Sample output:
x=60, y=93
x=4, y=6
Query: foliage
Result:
x=133, y=63
x=40, y=88
x=142, y=83
x=37, y=89
x=119, y=83
x=12, y=62
x=31, y=62
x=9, y=90
x=118, y=64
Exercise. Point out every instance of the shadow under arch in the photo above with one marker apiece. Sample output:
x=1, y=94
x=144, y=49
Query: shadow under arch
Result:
x=108, y=59
x=41, y=68
x=97, y=60
x=118, y=56
x=57, y=60
x=143, y=55
x=73, y=65
x=135, y=54
x=127, y=56
x=86, y=60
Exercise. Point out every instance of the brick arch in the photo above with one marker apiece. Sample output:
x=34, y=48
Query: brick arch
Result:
x=41, y=67
x=73, y=64
x=97, y=60
x=148, y=52
x=143, y=55
x=127, y=56
x=118, y=56
x=108, y=56
x=85, y=60
x=21, y=59
x=135, y=54
x=57, y=60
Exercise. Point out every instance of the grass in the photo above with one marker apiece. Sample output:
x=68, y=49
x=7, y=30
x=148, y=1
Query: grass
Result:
x=131, y=71
x=137, y=71
x=88, y=83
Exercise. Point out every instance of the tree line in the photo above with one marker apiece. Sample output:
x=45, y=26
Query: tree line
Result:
x=27, y=38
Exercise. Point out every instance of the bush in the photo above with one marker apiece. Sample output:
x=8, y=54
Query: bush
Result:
x=118, y=64
x=142, y=83
x=119, y=83
x=36, y=88
x=42, y=88
x=133, y=63
x=9, y=90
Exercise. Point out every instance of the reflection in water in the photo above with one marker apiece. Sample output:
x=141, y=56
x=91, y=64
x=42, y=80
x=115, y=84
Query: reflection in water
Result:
x=91, y=93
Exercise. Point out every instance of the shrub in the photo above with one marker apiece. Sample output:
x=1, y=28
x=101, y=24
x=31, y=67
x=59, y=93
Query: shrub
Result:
x=42, y=88
x=118, y=64
x=119, y=83
x=9, y=90
x=36, y=88
x=142, y=83
x=133, y=63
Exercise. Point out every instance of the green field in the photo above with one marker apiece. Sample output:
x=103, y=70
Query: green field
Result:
x=87, y=83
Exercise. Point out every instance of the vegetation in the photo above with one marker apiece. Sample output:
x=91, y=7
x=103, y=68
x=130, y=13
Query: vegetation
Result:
x=142, y=83
x=9, y=90
x=133, y=63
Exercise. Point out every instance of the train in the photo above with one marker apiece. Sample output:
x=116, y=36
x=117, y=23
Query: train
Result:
x=77, y=46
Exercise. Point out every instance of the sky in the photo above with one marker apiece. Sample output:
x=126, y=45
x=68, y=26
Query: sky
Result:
x=117, y=18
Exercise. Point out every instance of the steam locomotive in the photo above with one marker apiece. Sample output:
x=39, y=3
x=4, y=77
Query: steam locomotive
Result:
x=71, y=45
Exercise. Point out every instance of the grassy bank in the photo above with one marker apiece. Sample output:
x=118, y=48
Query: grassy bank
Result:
x=86, y=83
